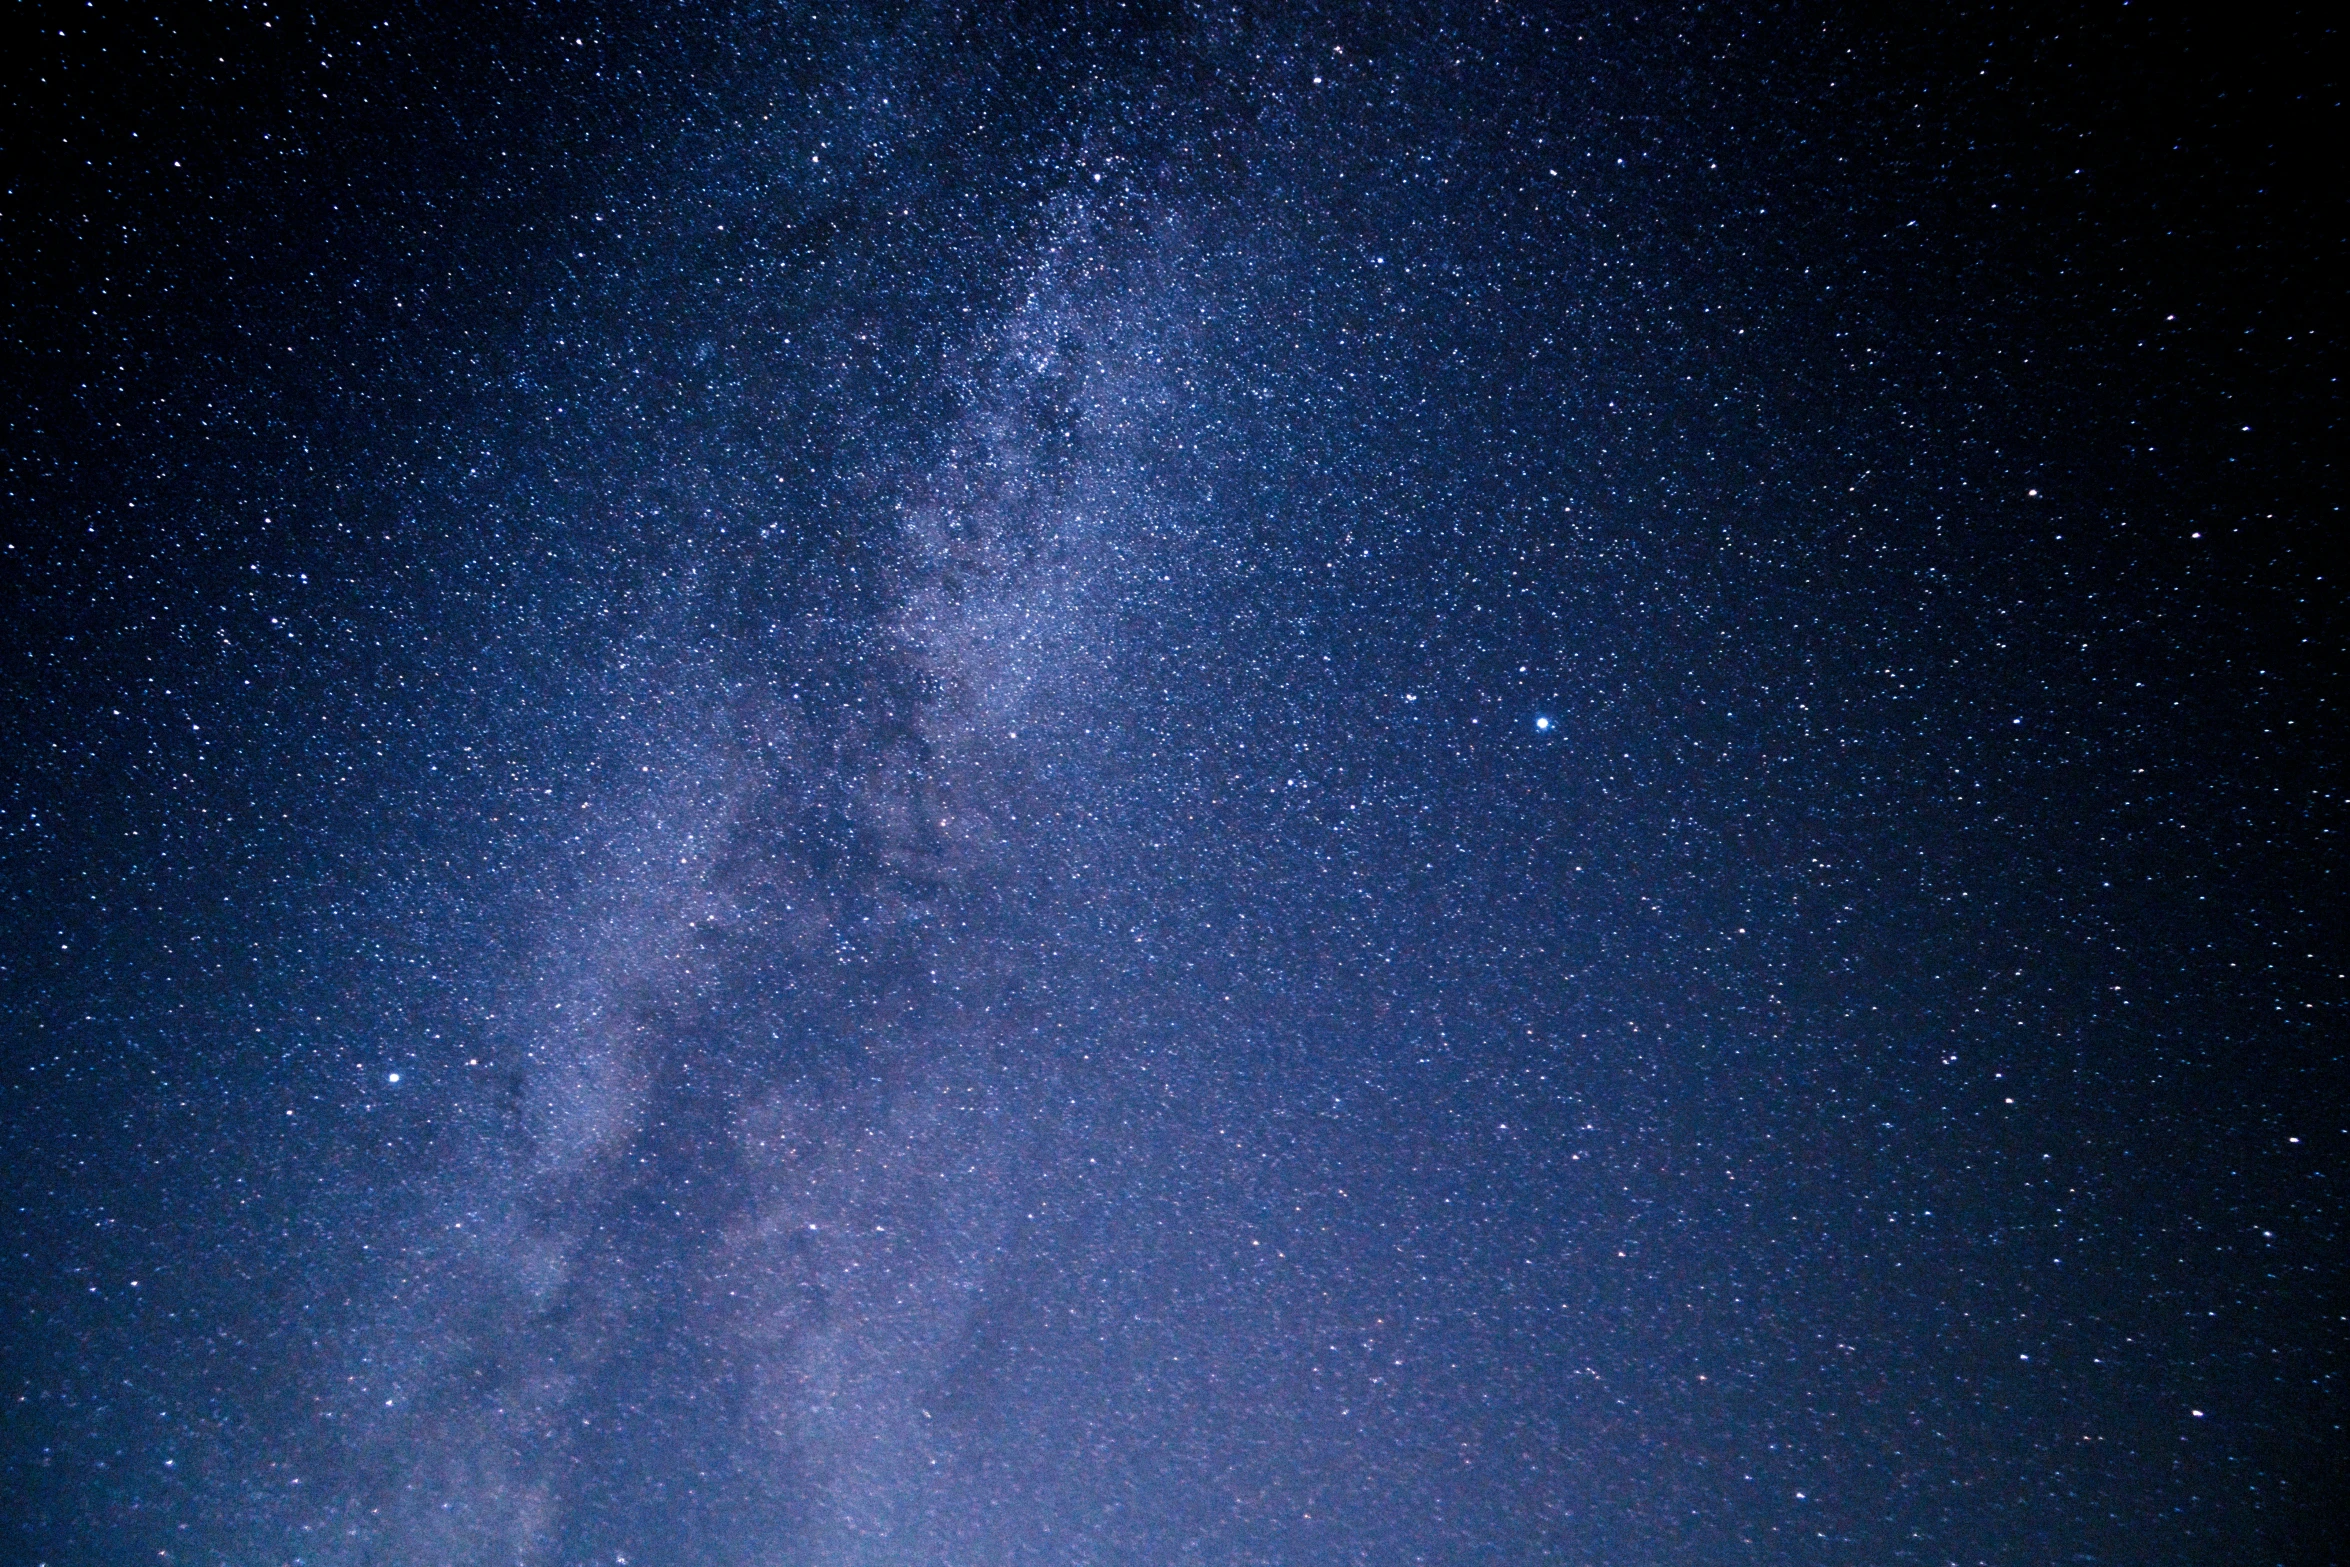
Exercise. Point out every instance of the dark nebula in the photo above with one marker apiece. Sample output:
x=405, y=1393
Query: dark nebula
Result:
x=919, y=786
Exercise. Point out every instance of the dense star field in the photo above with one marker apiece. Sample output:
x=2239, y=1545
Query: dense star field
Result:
x=1149, y=784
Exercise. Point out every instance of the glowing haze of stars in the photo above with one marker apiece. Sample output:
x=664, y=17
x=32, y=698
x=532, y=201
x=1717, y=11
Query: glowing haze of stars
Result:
x=1145, y=784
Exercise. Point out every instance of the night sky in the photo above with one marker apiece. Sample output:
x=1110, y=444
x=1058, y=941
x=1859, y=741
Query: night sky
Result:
x=932, y=786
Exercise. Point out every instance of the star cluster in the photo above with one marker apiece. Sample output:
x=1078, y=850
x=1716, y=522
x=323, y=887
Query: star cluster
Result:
x=1162, y=784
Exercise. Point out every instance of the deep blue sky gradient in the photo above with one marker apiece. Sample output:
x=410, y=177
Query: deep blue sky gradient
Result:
x=773, y=794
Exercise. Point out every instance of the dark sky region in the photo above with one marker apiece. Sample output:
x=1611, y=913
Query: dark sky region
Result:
x=1192, y=786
